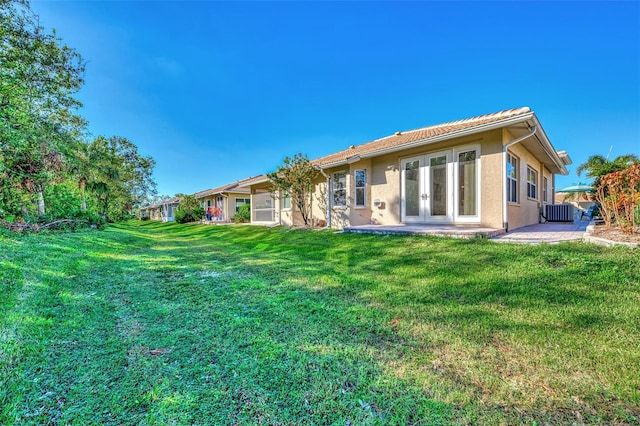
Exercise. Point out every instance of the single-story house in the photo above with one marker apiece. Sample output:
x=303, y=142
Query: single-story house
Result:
x=162, y=211
x=225, y=200
x=495, y=170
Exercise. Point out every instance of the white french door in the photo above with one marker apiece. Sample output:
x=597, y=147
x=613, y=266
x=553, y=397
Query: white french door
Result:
x=427, y=188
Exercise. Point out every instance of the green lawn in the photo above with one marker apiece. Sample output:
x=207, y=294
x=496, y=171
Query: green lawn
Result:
x=149, y=323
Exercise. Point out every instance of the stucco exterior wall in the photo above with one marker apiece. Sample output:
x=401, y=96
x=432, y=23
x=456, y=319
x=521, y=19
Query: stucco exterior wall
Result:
x=228, y=202
x=359, y=215
x=384, y=187
x=340, y=215
x=527, y=210
x=385, y=190
x=385, y=181
x=319, y=202
x=491, y=179
x=550, y=192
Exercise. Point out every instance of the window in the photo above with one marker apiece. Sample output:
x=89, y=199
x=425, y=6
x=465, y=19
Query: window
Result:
x=532, y=183
x=286, y=200
x=340, y=189
x=545, y=183
x=512, y=178
x=467, y=188
x=361, y=185
x=242, y=202
x=208, y=203
x=263, y=208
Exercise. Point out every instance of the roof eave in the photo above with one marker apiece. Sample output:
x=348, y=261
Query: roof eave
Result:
x=421, y=142
x=549, y=149
x=255, y=182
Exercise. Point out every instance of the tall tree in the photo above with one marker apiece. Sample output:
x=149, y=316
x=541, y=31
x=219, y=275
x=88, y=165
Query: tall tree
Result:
x=295, y=178
x=120, y=178
x=38, y=79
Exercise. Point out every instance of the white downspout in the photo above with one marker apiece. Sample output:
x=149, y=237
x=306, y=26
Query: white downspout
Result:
x=328, y=198
x=505, y=205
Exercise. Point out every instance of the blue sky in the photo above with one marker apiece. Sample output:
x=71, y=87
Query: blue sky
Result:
x=220, y=91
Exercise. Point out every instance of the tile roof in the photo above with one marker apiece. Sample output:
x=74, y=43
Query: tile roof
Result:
x=174, y=200
x=230, y=187
x=400, y=139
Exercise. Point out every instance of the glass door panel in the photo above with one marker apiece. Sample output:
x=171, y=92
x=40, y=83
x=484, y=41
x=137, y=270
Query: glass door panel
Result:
x=467, y=188
x=411, y=189
x=438, y=185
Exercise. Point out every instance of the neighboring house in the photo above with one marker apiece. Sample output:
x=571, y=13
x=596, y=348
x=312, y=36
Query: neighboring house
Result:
x=162, y=211
x=266, y=207
x=495, y=170
x=226, y=200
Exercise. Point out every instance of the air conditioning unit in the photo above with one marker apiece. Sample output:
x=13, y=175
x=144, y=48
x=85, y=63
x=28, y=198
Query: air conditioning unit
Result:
x=559, y=212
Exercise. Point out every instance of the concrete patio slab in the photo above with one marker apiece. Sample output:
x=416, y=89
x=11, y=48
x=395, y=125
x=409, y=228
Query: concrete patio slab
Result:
x=423, y=229
x=549, y=233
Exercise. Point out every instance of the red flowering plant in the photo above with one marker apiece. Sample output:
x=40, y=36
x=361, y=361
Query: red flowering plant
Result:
x=619, y=198
x=216, y=212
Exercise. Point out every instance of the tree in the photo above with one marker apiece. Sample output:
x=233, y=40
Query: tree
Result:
x=38, y=79
x=120, y=178
x=597, y=166
x=188, y=210
x=619, y=197
x=295, y=178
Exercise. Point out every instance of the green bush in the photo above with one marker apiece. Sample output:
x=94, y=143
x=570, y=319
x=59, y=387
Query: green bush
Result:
x=188, y=210
x=92, y=219
x=243, y=215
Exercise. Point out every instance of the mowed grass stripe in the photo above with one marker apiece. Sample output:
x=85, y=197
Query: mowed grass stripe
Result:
x=164, y=323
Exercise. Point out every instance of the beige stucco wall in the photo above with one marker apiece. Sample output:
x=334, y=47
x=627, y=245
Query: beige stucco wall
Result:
x=340, y=216
x=228, y=202
x=384, y=180
x=527, y=210
x=383, y=190
x=492, y=181
x=319, y=201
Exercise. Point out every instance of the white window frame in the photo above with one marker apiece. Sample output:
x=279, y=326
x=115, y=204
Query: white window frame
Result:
x=457, y=217
x=334, y=189
x=513, y=181
x=532, y=183
x=244, y=201
x=270, y=208
x=286, y=196
x=545, y=194
x=363, y=188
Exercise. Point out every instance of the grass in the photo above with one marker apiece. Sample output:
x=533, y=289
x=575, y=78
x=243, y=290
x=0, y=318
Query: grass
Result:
x=149, y=323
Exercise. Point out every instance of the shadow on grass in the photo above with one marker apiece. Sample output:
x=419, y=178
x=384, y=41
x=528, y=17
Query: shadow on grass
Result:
x=273, y=325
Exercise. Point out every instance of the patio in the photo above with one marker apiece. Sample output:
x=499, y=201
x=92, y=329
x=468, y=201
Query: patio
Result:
x=549, y=233
x=424, y=229
x=533, y=234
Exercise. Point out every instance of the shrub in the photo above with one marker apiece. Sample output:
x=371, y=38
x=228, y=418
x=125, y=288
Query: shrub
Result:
x=619, y=196
x=243, y=215
x=188, y=210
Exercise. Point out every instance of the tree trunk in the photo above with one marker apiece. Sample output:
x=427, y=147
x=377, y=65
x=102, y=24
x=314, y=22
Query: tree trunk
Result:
x=105, y=208
x=83, y=200
x=40, y=202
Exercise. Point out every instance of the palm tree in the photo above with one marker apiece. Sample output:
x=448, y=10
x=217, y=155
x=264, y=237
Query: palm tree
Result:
x=597, y=166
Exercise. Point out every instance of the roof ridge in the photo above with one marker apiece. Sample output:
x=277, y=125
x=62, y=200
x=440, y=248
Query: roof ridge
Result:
x=514, y=111
x=470, y=122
